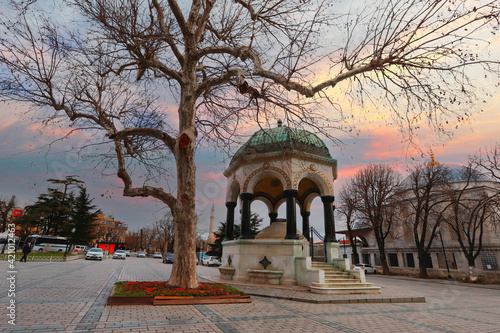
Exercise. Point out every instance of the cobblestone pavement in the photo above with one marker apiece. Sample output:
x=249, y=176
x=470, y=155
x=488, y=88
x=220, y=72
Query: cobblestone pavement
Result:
x=72, y=296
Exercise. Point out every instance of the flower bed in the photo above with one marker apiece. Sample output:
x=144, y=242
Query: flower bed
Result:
x=161, y=293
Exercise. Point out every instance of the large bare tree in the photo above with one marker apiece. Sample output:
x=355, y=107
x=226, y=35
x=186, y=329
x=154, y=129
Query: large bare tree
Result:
x=225, y=63
x=424, y=204
x=474, y=210
x=375, y=187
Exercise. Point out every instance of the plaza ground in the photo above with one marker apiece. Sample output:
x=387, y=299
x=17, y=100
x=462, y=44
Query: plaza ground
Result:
x=71, y=297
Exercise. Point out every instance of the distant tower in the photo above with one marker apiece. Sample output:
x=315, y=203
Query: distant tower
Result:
x=433, y=162
x=211, y=236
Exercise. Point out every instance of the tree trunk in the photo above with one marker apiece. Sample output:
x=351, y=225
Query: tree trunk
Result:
x=184, y=269
x=381, y=251
x=355, y=255
x=422, y=265
x=472, y=270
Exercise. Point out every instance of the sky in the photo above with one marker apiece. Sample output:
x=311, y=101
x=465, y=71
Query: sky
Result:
x=26, y=163
x=28, y=159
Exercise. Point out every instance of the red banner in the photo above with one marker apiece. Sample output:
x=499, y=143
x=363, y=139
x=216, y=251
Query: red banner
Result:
x=17, y=212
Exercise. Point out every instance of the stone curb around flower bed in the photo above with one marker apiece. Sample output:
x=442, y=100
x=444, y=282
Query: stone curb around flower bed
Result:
x=177, y=300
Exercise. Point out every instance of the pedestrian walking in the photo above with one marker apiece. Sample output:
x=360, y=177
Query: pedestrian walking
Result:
x=26, y=251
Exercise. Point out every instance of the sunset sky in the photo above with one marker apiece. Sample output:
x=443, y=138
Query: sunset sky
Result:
x=26, y=162
x=29, y=155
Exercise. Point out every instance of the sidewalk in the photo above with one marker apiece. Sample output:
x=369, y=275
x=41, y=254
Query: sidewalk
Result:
x=390, y=293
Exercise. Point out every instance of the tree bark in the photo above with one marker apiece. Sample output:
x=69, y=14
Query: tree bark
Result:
x=422, y=265
x=184, y=269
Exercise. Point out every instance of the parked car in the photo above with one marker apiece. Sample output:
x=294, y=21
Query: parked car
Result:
x=141, y=254
x=157, y=255
x=168, y=258
x=80, y=248
x=369, y=269
x=210, y=261
x=127, y=253
x=94, y=253
x=120, y=254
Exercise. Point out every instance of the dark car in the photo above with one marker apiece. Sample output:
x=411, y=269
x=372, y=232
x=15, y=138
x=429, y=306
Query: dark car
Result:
x=168, y=258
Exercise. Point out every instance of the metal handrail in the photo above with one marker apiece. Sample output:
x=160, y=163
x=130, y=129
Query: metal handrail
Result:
x=312, y=233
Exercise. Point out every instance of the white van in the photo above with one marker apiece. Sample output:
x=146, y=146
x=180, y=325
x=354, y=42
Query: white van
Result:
x=80, y=248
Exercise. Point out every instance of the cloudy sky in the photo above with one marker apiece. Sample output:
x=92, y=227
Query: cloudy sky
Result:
x=29, y=155
x=26, y=162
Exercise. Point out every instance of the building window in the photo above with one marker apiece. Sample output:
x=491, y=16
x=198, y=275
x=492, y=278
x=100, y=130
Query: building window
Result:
x=366, y=258
x=489, y=261
x=410, y=260
x=377, y=260
x=450, y=257
x=393, y=260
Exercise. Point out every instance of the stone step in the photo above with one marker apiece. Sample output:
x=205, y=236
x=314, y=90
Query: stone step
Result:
x=344, y=291
x=335, y=280
x=335, y=273
x=353, y=284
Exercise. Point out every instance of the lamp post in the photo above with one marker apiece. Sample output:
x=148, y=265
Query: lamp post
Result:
x=345, y=253
x=444, y=253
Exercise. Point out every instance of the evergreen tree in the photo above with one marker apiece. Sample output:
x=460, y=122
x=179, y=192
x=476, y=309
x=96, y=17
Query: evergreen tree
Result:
x=83, y=214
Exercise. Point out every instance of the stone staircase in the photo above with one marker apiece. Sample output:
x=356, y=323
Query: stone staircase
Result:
x=340, y=282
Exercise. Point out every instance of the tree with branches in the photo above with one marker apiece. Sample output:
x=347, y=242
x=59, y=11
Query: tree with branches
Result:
x=376, y=187
x=488, y=159
x=164, y=229
x=7, y=207
x=347, y=209
x=228, y=63
x=473, y=211
x=424, y=205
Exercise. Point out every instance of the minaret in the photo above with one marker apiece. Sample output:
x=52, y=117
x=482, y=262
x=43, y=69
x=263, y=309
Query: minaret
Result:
x=211, y=236
x=433, y=162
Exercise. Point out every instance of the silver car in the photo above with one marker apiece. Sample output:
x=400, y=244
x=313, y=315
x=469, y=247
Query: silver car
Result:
x=94, y=253
x=369, y=269
x=120, y=254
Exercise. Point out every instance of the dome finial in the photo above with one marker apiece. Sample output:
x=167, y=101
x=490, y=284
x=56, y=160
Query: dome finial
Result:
x=433, y=162
x=280, y=123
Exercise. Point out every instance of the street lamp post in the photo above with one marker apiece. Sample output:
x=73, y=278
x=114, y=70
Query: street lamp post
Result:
x=345, y=253
x=444, y=253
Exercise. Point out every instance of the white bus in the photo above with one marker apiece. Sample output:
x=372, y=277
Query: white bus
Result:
x=40, y=243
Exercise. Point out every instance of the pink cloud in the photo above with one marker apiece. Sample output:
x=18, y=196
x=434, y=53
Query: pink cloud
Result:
x=212, y=176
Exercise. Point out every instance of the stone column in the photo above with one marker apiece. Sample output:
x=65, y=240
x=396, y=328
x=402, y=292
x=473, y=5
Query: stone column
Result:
x=305, y=224
x=230, y=220
x=291, y=217
x=245, y=215
x=273, y=216
x=329, y=219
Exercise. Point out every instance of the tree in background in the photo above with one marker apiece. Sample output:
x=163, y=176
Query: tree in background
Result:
x=228, y=63
x=488, y=159
x=347, y=209
x=375, y=186
x=6, y=208
x=80, y=230
x=424, y=205
x=216, y=247
x=164, y=230
x=57, y=212
x=49, y=214
x=474, y=208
